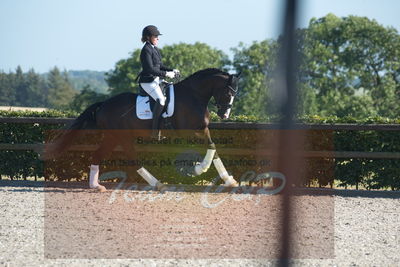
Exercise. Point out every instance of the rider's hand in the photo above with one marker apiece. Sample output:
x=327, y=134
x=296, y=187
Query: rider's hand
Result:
x=170, y=74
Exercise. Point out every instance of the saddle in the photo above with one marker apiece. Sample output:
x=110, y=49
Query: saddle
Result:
x=145, y=103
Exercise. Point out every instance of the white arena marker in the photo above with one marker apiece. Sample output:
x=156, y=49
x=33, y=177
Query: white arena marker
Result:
x=148, y=177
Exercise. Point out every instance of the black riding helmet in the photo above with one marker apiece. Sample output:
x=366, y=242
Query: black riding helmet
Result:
x=150, y=30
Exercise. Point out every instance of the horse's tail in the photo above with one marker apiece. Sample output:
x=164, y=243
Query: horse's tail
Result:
x=86, y=120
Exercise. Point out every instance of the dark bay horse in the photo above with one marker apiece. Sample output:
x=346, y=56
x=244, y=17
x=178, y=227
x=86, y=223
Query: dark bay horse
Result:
x=192, y=96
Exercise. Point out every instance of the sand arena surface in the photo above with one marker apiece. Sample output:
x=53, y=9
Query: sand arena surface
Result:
x=58, y=226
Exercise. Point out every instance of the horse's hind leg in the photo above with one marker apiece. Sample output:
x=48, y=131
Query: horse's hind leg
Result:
x=133, y=168
x=105, y=148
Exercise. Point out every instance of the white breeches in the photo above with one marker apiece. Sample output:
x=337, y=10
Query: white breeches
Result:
x=154, y=90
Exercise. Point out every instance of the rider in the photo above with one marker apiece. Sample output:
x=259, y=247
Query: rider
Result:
x=152, y=71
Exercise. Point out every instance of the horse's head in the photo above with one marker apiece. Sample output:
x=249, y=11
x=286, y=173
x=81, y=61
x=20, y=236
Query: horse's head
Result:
x=216, y=83
x=225, y=94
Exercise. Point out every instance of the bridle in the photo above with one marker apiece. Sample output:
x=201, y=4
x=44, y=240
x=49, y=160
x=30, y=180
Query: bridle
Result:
x=228, y=85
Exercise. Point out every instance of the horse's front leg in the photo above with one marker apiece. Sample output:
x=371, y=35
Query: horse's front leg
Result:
x=203, y=166
x=212, y=156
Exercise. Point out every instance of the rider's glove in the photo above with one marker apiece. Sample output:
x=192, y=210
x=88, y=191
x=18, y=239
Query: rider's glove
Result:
x=177, y=72
x=170, y=74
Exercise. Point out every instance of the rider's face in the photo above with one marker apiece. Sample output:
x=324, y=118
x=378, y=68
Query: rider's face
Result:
x=154, y=40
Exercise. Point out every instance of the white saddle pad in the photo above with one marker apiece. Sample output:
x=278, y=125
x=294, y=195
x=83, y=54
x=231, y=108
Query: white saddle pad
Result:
x=143, y=110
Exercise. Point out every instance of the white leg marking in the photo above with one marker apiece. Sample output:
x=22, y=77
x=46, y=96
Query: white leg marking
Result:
x=206, y=163
x=228, y=179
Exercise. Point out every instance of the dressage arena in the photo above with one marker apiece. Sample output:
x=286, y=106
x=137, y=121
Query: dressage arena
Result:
x=59, y=226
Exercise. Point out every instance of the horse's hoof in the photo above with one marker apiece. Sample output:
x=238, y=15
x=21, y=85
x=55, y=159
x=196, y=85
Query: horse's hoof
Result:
x=233, y=185
x=161, y=187
x=101, y=188
x=231, y=182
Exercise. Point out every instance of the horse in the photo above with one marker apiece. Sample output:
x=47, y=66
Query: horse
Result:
x=192, y=96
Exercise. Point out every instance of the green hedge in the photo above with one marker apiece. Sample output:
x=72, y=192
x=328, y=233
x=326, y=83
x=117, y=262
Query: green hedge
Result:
x=368, y=173
x=23, y=164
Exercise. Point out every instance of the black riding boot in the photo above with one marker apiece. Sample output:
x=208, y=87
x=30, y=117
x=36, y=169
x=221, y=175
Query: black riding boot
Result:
x=158, y=110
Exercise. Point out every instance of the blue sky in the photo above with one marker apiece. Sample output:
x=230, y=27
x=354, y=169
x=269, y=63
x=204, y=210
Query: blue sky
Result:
x=95, y=34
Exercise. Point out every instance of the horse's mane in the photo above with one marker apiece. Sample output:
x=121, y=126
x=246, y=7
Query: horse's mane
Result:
x=206, y=72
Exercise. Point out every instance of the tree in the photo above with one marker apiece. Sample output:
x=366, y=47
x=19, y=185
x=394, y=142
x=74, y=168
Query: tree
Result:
x=348, y=67
x=255, y=62
x=123, y=77
x=60, y=91
x=257, y=90
x=20, y=87
x=36, y=86
x=79, y=79
x=352, y=61
x=7, y=92
x=85, y=98
x=188, y=58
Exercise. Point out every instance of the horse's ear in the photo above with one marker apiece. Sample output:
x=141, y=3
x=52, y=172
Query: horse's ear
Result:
x=238, y=74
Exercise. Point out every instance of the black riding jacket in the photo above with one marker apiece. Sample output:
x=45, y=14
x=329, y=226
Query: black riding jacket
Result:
x=152, y=66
